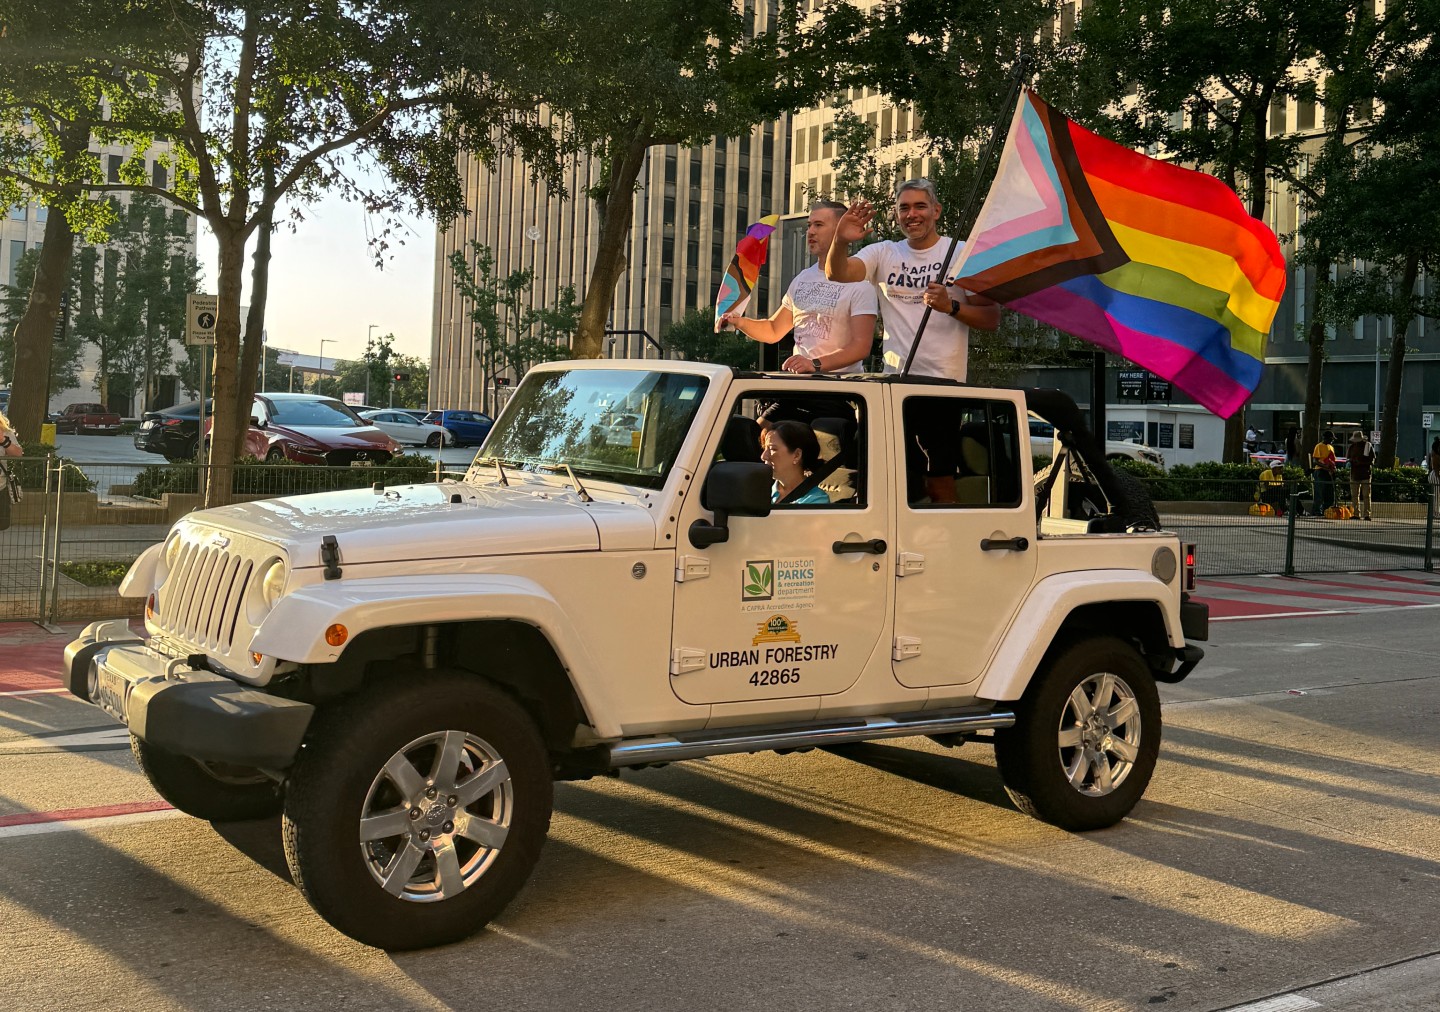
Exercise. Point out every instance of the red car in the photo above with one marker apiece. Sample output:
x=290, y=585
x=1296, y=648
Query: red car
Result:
x=83, y=418
x=310, y=429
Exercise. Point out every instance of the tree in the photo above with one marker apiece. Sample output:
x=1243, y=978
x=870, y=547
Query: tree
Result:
x=132, y=304
x=693, y=336
x=509, y=334
x=413, y=392
x=623, y=77
x=1387, y=219
x=1201, y=82
x=265, y=103
x=1357, y=51
x=66, y=352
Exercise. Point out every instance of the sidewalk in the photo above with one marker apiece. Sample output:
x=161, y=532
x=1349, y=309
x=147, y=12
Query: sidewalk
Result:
x=31, y=659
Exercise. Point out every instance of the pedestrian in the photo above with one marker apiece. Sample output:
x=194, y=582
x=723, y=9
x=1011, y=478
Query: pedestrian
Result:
x=9, y=487
x=833, y=321
x=1252, y=440
x=1361, y=455
x=1293, y=456
x=907, y=276
x=1323, y=459
x=1272, y=487
x=1432, y=463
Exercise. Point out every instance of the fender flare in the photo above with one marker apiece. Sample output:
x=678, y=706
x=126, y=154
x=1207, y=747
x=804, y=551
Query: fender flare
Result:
x=139, y=580
x=1047, y=607
x=295, y=629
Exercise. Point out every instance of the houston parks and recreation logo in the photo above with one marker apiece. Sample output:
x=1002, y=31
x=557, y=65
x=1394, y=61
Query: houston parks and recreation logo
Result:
x=758, y=580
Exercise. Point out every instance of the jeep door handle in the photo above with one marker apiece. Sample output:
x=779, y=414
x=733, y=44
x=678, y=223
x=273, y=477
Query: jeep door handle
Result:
x=1005, y=545
x=875, y=546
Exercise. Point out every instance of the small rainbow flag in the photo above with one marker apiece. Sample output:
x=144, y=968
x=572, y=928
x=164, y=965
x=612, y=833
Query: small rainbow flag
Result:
x=744, y=270
x=1155, y=262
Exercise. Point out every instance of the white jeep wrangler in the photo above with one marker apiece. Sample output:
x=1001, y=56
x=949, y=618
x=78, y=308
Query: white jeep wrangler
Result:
x=403, y=672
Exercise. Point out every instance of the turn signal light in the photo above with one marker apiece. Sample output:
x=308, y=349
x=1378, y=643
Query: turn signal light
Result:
x=150, y=607
x=256, y=659
x=336, y=635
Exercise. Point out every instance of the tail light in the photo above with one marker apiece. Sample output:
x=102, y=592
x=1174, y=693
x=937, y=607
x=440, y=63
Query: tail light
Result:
x=1189, y=567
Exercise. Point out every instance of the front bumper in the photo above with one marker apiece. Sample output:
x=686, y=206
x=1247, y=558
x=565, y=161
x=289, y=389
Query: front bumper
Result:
x=176, y=705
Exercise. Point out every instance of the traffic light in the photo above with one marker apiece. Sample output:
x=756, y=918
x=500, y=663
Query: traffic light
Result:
x=401, y=377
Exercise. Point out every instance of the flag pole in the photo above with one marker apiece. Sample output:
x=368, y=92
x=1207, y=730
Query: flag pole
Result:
x=1007, y=108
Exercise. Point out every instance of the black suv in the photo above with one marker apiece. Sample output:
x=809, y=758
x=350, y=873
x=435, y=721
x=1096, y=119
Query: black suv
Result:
x=172, y=431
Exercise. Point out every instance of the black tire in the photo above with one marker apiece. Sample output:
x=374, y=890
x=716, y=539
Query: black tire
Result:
x=1034, y=759
x=435, y=440
x=339, y=776
x=1135, y=507
x=275, y=455
x=207, y=791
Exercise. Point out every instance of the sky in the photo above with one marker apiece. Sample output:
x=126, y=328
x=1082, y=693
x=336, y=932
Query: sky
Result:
x=324, y=283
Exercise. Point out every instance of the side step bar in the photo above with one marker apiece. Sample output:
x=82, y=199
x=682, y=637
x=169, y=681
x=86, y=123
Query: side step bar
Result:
x=665, y=748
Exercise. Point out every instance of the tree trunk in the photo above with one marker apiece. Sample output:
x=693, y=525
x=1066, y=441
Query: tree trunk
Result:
x=616, y=207
x=35, y=333
x=223, y=434
x=1315, y=368
x=1395, y=368
x=254, y=330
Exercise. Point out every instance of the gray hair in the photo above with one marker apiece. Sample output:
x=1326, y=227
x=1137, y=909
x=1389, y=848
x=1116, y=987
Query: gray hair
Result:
x=922, y=184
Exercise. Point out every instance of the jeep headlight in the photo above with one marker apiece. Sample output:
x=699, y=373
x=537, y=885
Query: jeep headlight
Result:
x=169, y=555
x=273, y=583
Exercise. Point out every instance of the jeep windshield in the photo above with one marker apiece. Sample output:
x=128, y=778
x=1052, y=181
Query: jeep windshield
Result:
x=625, y=426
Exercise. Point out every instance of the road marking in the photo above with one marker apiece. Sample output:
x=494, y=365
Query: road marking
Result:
x=1280, y=1003
x=31, y=692
x=87, y=739
x=69, y=820
x=1327, y=612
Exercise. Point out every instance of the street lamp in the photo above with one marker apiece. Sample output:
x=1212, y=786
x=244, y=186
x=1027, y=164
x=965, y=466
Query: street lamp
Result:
x=323, y=342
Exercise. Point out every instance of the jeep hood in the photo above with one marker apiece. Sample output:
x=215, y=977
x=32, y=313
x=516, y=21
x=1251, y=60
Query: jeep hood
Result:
x=421, y=522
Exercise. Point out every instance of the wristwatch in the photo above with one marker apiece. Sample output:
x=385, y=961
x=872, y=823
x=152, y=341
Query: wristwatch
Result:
x=954, y=308
x=816, y=363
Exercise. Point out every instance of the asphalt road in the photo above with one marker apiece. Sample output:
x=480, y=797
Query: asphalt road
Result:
x=1288, y=839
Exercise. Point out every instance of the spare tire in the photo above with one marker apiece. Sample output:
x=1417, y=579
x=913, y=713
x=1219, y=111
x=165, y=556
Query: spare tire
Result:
x=1135, y=508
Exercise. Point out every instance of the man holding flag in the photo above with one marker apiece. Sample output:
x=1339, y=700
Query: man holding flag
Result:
x=906, y=274
x=834, y=322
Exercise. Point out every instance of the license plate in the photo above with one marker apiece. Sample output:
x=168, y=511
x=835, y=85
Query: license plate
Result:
x=362, y=463
x=110, y=694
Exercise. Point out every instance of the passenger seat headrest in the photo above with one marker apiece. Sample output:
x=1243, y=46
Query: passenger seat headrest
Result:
x=741, y=439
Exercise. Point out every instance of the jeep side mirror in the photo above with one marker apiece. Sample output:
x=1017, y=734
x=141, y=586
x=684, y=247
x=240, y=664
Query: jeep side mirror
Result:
x=733, y=488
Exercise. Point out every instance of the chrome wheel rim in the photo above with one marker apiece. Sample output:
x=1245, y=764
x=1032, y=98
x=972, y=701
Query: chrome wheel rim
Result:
x=436, y=816
x=1099, y=734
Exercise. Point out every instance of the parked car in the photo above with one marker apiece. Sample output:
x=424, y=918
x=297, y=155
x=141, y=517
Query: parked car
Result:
x=406, y=428
x=310, y=429
x=468, y=427
x=1115, y=449
x=82, y=418
x=173, y=432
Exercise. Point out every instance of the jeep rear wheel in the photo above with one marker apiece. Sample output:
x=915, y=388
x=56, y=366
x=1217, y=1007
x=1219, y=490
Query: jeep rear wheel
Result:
x=1086, y=737
x=417, y=809
x=217, y=792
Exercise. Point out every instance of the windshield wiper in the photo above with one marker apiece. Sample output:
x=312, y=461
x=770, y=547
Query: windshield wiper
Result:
x=555, y=467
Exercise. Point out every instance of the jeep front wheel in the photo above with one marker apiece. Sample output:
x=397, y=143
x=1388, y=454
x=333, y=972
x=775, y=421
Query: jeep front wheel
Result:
x=417, y=809
x=1086, y=737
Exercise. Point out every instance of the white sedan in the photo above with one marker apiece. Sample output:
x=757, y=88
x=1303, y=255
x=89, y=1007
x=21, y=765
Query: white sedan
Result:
x=406, y=428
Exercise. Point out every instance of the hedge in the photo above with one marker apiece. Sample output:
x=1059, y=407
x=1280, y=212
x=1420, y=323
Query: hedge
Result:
x=252, y=477
x=29, y=471
x=1213, y=481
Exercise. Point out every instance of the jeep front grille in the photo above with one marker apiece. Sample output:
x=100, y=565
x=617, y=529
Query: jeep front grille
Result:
x=203, y=598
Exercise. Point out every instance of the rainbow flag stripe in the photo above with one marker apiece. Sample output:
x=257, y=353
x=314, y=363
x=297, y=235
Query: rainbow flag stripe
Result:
x=744, y=270
x=1151, y=261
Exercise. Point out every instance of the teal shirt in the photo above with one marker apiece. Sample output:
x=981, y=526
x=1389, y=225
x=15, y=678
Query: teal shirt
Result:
x=815, y=497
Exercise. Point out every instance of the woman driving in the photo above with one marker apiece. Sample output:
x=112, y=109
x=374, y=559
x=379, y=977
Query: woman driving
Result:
x=792, y=451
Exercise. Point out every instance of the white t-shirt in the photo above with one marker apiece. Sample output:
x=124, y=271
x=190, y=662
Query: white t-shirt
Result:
x=901, y=272
x=822, y=308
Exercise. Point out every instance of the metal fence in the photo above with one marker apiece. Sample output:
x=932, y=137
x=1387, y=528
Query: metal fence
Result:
x=80, y=525
x=1244, y=527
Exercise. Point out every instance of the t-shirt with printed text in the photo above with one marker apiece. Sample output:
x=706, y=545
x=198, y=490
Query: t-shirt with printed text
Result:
x=821, y=310
x=900, y=273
